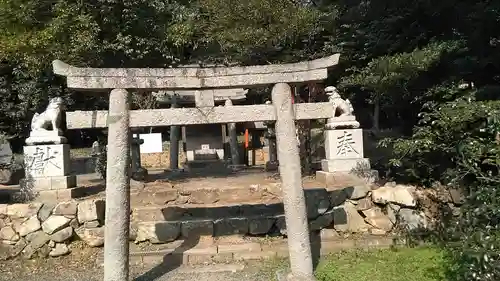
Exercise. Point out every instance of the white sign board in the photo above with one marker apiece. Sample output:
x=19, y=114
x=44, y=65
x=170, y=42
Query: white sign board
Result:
x=152, y=143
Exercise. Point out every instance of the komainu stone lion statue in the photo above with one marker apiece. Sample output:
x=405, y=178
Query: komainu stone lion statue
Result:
x=51, y=116
x=342, y=107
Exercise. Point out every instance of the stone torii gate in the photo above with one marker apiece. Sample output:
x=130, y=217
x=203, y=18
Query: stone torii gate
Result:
x=120, y=118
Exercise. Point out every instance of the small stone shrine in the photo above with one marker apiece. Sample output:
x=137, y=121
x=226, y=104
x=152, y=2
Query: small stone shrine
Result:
x=343, y=141
x=46, y=154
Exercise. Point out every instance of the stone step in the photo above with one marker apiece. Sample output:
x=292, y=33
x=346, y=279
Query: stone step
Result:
x=226, y=251
x=165, y=194
x=318, y=201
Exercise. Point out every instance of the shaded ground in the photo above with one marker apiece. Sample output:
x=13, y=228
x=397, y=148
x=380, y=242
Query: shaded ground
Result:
x=80, y=265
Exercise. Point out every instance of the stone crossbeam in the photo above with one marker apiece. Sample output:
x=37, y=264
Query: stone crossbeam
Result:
x=194, y=77
x=192, y=116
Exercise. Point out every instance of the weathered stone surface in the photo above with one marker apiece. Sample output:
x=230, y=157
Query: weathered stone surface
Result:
x=392, y=211
x=197, y=228
x=204, y=196
x=317, y=202
x=347, y=219
x=52, y=244
x=8, y=233
x=45, y=211
x=357, y=191
x=281, y=224
x=59, y=250
x=90, y=210
x=230, y=226
x=29, y=226
x=457, y=196
x=328, y=234
x=398, y=194
x=29, y=252
x=94, y=237
x=412, y=219
x=258, y=226
x=337, y=197
x=23, y=210
x=158, y=232
x=62, y=235
x=5, y=251
x=364, y=204
x=67, y=209
x=44, y=251
x=55, y=223
x=38, y=239
x=321, y=222
x=195, y=78
x=376, y=218
x=74, y=223
x=18, y=247
x=91, y=224
x=376, y=231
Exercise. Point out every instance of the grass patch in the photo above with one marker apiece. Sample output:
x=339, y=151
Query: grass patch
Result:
x=397, y=264
x=403, y=264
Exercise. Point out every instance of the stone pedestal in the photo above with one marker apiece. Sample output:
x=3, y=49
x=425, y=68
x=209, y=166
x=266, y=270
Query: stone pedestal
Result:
x=344, y=156
x=47, y=167
x=43, y=136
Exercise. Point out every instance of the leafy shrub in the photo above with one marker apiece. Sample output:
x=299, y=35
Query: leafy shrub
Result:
x=457, y=142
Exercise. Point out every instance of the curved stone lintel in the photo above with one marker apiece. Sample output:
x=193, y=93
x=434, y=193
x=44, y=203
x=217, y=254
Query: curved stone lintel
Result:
x=194, y=77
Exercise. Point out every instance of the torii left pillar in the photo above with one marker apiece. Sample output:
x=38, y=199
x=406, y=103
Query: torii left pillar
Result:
x=117, y=221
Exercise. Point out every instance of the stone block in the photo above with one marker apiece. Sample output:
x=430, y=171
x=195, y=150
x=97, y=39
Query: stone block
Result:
x=158, y=232
x=230, y=226
x=344, y=144
x=261, y=225
x=344, y=178
x=317, y=202
x=67, y=209
x=347, y=219
x=8, y=233
x=59, y=250
x=322, y=221
x=38, y=239
x=55, y=223
x=239, y=248
x=23, y=210
x=46, y=210
x=62, y=235
x=398, y=194
x=345, y=165
x=91, y=210
x=356, y=192
x=198, y=259
x=249, y=210
x=197, y=228
x=337, y=197
x=48, y=183
x=94, y=237
x=281, y=224
x=47, y=160
x=29, y=226
x=204, y=99
x=254, y=256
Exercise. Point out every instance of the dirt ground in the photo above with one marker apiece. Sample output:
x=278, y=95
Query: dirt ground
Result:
x=80, y=265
